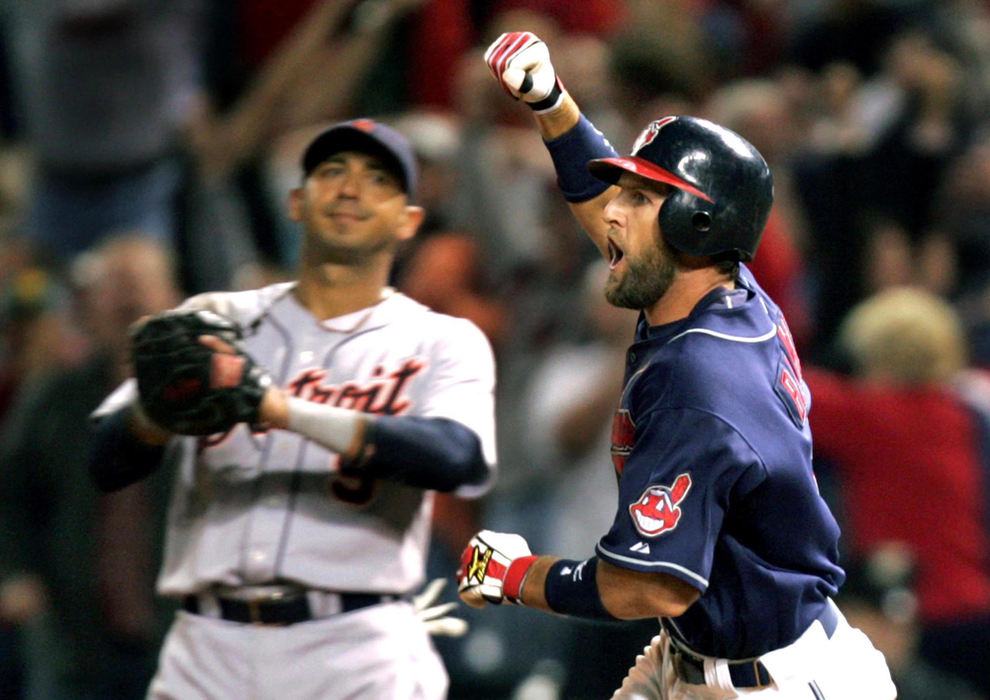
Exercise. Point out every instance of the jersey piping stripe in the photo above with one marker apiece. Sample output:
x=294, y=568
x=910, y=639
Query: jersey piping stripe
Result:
x=263, y=460
x=725, y=336
x=652, y=564
x=816, y=691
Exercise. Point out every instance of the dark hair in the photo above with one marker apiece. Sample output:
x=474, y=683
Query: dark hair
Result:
x=728, y=264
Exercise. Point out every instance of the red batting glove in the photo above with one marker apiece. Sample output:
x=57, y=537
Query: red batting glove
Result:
x=493, y=568
x=520, y=61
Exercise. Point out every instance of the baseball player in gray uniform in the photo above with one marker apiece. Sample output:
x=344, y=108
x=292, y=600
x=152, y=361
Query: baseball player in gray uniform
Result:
x=313, y=421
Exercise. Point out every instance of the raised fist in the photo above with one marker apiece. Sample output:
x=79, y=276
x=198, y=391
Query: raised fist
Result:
x=520, y=61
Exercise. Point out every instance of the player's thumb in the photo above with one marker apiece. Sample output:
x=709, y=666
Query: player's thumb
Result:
x=472, y=597
x=514, y=79
x=534, y=84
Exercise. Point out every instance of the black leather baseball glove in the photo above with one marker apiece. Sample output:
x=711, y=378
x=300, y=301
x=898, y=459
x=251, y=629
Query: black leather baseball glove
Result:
x=187, y=387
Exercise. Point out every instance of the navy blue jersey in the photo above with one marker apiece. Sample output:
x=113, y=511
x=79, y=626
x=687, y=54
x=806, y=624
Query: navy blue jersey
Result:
x=713, y=454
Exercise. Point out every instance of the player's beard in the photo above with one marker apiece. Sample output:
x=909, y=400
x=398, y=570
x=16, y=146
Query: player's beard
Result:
x=647, y=278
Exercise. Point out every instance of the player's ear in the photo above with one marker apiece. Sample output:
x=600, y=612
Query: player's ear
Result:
x=295, y=203
x=409, y=222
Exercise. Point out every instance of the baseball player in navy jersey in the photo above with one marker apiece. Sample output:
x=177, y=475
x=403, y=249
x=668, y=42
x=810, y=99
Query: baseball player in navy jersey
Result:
x=720, y=531
x=296, y=536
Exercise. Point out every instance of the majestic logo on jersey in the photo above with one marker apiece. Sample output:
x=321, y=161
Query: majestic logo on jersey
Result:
x=657, y=511
x=650, y=133
x=623, y=439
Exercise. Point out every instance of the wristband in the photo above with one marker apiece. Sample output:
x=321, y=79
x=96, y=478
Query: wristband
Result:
x=333, y=427
x=571, y=589
x=571, y=152
x=515, y=577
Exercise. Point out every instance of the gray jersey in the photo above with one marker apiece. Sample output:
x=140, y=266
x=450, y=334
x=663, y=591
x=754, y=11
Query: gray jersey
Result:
x=255, y=506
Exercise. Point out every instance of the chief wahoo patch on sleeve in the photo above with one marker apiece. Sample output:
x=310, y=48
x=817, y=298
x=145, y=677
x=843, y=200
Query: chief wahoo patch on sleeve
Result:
x=657, y=510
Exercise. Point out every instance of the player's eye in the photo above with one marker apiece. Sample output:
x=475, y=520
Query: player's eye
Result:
x=379, y=177
x=638, y=197
x=330, y=169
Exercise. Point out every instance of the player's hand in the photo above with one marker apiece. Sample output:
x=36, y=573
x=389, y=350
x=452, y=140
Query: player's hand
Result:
x=493, y=568
x=645, y=680
x=435, y=617
x=22, y=598
x=520, y=61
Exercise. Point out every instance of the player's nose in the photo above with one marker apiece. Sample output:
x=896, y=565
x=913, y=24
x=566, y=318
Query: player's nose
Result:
x=612, y=215
x=350, y=184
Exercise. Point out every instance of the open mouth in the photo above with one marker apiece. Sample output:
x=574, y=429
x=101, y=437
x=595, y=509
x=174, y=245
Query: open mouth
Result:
x=615, y=254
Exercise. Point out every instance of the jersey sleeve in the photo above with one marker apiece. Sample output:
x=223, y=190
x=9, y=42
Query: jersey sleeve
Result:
x=682, y=471
x=462, y=388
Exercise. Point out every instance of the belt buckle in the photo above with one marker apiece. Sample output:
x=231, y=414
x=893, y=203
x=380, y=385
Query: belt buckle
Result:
x=684, y=670
x=254, y=610
x=756, y=674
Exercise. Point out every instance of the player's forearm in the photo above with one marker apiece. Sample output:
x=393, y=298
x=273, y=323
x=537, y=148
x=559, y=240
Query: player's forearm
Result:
x=121, y=456
x=428, y=453
x=520, y=61
x=572, y=142
x=623, y=594
x=559, y=121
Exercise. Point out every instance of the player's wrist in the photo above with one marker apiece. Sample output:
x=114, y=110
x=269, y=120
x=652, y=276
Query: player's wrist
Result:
x=556, y=122
x=338, y=429
x=274, y=409
x=145, y=429
x=515, y=578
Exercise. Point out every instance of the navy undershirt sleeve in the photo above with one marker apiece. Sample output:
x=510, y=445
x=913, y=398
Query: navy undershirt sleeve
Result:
x=119, y=457
x=429, y=453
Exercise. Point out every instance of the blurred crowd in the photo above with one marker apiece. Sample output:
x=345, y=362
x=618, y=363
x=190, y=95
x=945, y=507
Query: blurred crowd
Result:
x=146, y=152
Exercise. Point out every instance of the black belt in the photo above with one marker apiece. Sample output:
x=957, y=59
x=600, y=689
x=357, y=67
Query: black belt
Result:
x=744, y=674
x=281, y=610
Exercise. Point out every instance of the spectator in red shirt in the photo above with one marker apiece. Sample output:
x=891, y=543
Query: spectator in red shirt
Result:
x=909, y=450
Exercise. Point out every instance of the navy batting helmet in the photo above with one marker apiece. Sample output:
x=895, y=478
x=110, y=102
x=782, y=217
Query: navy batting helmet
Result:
x=723, y=186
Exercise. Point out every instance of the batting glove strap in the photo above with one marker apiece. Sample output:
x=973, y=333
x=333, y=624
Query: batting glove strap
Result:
x=551, y=101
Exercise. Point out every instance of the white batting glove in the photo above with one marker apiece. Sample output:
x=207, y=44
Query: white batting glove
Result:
x=493, y=569
x=645, y=680
x=520, y=61
x=434, y=617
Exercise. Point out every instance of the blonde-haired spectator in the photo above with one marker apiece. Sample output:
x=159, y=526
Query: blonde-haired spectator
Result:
x=903, y=445
x=905, y=335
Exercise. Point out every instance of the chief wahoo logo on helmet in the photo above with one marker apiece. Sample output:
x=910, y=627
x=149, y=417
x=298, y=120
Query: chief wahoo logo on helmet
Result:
x=656, y=511
x=650, y=132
